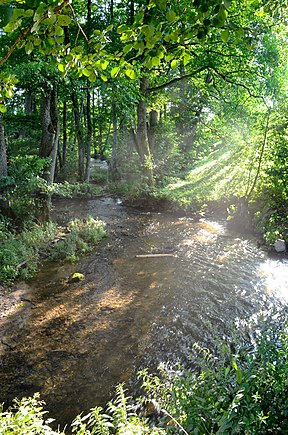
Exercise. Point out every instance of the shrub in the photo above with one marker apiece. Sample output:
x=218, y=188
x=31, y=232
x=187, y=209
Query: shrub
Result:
x=20, y=253
x=239, y=388
x=25, y=417
x=82, y=236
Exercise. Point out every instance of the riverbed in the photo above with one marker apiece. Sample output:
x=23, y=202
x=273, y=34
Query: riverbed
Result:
x=159, y=283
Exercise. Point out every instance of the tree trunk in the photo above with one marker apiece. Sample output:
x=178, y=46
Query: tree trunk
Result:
x=79, y=135
x=64, y=147
x=153, y=122
x=88, y=137
x=141, y=137
x=113, y=167
x=5, y=208
x=50, y=129
x=3, y=156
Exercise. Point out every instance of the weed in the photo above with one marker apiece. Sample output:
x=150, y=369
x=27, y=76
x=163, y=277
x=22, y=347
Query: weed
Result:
x=82, y=236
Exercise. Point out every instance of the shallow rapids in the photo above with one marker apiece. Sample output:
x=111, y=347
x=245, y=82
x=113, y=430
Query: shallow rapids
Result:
x=74, y=342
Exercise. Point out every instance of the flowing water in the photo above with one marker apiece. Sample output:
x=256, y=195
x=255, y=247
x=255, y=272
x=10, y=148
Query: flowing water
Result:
x=135, y=308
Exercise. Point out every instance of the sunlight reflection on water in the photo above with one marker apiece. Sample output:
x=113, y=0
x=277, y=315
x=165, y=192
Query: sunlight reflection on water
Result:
x=274, y=276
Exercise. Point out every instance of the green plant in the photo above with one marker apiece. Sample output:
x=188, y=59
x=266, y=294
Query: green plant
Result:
x=82, y=236
x=20, y=253
x=26, y=416
x=241, y=388
x=119, y=419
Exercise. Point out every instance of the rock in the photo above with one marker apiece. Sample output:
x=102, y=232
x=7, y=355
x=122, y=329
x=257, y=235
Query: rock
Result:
x=280, y=245
x=76, y=277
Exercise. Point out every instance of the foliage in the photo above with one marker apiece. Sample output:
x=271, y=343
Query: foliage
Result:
x=81, y=238
x=24, y=186
x=26, y=416
x=240, y=387
x=20, y=254
x=70, y=190
x=119, y=419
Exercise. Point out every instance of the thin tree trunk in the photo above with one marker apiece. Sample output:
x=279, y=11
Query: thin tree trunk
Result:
x=88, y=137
x=153, y=122
x=260, y=157
x=113, y=167
x=5, y=208
x=79, y=135
x=141, y=139
x=64, y=148
x=3, y=155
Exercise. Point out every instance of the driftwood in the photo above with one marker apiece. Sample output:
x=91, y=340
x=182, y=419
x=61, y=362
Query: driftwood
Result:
x=154, y=255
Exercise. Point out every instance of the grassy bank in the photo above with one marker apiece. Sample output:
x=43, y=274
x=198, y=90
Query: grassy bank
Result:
x=22, y=253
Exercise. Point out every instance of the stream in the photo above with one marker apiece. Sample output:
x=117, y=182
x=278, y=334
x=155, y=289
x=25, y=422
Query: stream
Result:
x=74, y=341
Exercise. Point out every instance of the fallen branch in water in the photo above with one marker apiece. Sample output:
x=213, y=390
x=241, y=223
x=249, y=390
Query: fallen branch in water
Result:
x=154, y=255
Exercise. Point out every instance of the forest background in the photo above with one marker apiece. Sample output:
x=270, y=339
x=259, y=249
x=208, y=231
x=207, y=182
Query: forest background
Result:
x=187, y=101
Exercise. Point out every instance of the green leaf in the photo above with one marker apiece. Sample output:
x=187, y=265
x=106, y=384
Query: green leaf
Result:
x=155, y=61
x=122, y=28
x=225, y=35
x=171, y=15
x=29, y=13
x=186, y=59
x=64, y=20
x=104, y=78
x=114, y=72
x=239, y=376
x=127, y=48
x=131, y=74
x=59, y=31
x=29, y=47
x=2, y=108
x=174, y=63
x=6, y=13
x=92, y=77
x=61, y=67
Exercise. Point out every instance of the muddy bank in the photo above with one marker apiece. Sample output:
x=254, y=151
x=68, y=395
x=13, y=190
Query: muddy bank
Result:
x=73, y=341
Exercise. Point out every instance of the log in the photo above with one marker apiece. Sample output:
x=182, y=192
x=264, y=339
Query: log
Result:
x=154, y=255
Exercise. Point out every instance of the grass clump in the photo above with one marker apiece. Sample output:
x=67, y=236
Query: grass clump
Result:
x=80, y=239
x=20, y=254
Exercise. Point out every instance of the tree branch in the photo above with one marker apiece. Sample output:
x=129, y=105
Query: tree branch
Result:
x=242, y=85
x=178, y=79
x=28, y=29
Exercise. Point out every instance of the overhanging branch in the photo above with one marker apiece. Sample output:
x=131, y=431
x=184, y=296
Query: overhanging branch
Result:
x=177, y=79
x=27, y=30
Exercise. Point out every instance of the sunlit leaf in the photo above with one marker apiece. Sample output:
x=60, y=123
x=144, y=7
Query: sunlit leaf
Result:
x=131, y=74
x=104, y=78
x=61, y=67
x=225, y=35
x=174, y=63
x=63, y=20
x=114, y=72
x=171, y=15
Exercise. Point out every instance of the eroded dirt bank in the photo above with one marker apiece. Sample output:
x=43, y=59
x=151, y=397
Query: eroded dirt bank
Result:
x=74, y=341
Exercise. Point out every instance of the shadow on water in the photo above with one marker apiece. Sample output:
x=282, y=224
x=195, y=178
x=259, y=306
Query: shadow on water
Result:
x=74, y=341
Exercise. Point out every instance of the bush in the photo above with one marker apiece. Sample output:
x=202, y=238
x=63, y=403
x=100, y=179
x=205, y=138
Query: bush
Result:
x=82, y=236
x=25, y=417
x=239, y=388
x=20, y=253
